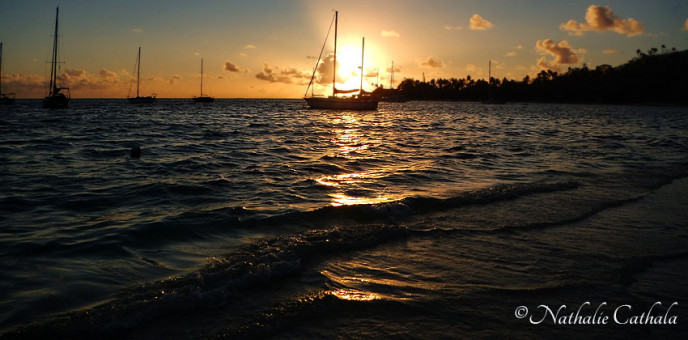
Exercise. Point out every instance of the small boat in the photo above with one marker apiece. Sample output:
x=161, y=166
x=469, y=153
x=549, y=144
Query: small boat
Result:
x=138, y=99
x=5, y=98
x=203, y=98
x=56, y=99
x=359, y=102
x=491, y=99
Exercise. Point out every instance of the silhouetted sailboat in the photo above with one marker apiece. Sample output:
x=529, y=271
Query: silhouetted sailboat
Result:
x=362, y=101
x=391, y=94
x=491, y=99
x=138, y=99
x=5, y=98
x=203, y=98
x=56, y=99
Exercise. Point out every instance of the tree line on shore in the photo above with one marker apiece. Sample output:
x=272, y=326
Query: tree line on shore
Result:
x=650, y=77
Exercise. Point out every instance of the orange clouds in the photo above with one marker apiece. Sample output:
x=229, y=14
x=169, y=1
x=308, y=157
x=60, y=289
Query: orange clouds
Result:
x=685, y=25
x=175, y=78
x=432, y=62
x=478, y=23
x=562, y=52
x=601, y=18
x=31, y=85
x=287, y=76
x=231, y=67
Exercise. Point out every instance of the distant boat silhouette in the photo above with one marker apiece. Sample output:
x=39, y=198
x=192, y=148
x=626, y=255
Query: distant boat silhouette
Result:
x=392, y=95
x=362, y=101
x=202, y=98
x=5, y=98
x=491, y=99
x=56, y=99
x=138, y=99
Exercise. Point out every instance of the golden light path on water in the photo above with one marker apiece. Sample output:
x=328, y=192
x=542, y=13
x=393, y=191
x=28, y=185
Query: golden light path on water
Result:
x=354, y=295
x=350, y=144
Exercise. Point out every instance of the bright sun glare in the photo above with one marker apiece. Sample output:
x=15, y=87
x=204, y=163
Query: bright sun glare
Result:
x=349, y=72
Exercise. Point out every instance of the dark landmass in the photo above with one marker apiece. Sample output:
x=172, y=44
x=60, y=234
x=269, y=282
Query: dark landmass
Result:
x=650, y=77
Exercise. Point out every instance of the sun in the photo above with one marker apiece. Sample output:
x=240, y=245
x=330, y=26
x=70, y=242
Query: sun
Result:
x=349, y=68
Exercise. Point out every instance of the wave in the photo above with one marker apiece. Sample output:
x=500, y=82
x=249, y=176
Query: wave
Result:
x=186, y=226
x=223, y=280
x=410, y=206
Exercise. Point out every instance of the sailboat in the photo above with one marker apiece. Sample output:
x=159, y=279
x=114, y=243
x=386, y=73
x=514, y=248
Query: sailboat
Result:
x=138, y=99
x=203, y=98
x=491, y=99
x=5, y=98
x=362, y=101
x=56, y=99
x=392, y=94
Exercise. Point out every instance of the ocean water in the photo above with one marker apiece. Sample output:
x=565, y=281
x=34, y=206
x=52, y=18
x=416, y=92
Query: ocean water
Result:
x=262, y=219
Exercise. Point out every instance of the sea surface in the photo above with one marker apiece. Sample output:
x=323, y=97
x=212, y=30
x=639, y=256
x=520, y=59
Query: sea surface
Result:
x=262, y=219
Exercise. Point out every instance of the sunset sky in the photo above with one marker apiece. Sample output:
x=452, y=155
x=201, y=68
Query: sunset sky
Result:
x=268, y=48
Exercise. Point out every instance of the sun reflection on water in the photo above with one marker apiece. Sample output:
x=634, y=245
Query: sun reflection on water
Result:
x=351, y=143
x=354, y=295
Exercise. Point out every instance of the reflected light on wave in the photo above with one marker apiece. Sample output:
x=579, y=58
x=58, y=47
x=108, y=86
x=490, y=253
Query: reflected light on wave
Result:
x=354, y=295
x=344, y=179
x=341, y=199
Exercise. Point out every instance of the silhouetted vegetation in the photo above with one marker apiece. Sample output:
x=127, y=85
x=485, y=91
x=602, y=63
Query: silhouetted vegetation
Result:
x=652, y=77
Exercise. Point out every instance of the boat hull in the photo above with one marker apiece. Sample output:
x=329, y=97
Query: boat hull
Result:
x=58, y=101
x=142, y=100
x=330, y=103
x=203, y=99
x=6, y=100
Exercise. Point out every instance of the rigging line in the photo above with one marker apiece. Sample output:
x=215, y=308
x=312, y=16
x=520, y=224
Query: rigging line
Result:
x=320, y=56
x=131, y=82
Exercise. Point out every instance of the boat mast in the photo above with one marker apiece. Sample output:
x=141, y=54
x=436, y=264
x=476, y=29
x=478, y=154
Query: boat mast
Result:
x=391, y=79
x=53, y=66
x=334, y=65
x=138, y=72
x=362, y=54
x=489, y=79
x=0, y=68
x=201, y=77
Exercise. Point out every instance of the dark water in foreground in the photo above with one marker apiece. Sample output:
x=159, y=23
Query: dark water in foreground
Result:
x=262, y=219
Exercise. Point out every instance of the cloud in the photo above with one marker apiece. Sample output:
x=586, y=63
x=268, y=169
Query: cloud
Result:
x=685, y=25
x=108, y=76
x=231, y=67
x=81, y=82
x=478, y=23
x=452, y=28
x=325, y=71
x=396, y=69
x=432, y=62
x=24, y=83
x=279, y=75
x=80, y=79
x=137, y=30
x=175, y=78
x=512, y=54
x=562, y=52
x=250, y=47
x=389, y=34
x=520, y=47
x=601, y=18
